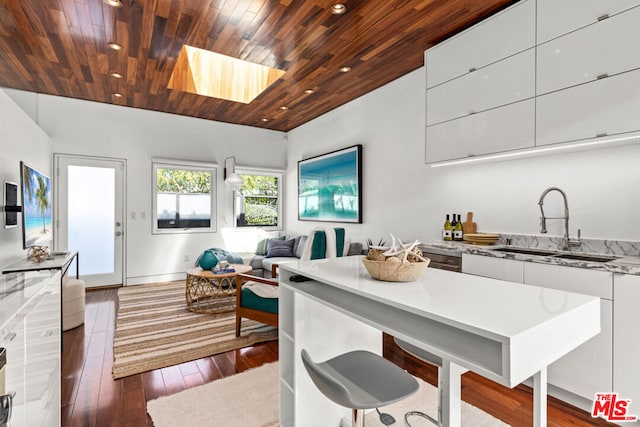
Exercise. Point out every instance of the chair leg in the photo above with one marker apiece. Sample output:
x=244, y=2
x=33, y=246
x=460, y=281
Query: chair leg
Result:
x=238, y=320
x=357, y=419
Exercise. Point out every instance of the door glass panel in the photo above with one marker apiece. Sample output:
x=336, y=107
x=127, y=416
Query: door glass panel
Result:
x=91, y=213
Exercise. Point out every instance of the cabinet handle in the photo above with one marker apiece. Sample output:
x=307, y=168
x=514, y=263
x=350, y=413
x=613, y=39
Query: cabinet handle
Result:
x=602, y=76
x=603, y=17
x=10, y=336
x=600, y=135
x=472, y=69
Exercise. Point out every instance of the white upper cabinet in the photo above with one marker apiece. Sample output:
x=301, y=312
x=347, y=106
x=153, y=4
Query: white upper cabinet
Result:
x=501, y=129
x=605, y=107
x=503, y=82
x=504, y=34
x=605, y=48
x=558, y=17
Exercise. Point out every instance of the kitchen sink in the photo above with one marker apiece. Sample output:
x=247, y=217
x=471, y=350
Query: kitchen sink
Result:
x=526, y=251
x=587, y=257
x=556, y=254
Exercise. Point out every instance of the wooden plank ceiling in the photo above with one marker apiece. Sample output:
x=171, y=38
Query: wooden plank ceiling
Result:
x=59, y=47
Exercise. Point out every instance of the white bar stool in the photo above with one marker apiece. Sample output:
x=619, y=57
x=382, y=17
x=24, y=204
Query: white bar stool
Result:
x=360, y=380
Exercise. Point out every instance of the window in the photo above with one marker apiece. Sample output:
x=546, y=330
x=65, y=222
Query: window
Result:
x=184, y=197
x=258, y=203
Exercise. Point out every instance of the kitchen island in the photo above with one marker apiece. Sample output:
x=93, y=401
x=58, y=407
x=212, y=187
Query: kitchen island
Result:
x=504, y=332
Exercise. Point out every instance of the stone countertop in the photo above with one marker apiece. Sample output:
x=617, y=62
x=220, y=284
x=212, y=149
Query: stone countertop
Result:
x=627, y=263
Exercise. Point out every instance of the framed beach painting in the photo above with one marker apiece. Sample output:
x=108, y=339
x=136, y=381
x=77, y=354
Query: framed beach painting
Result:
x=330, y=186
x=37, y=228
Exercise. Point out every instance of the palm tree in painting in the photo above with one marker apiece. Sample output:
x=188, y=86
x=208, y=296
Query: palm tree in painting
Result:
x=28, y=181
x=43, y=201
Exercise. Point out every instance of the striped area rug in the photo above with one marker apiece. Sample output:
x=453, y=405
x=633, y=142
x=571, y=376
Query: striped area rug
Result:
x=154, y=330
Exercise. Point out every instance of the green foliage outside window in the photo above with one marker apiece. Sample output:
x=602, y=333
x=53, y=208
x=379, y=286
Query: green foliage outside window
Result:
x=259, y=184
x=183, y=181
x=259, y=201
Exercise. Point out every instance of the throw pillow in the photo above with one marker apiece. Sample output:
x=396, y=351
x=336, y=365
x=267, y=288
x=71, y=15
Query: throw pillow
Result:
x=280, y=248
x=302, y=243
x=263, y=245
x=261, y=249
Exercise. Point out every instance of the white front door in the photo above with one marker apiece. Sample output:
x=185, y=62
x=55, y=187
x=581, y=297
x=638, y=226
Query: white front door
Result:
x=90, y=215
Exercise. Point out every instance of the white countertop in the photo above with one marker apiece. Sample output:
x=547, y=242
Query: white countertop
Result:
x=469, y=302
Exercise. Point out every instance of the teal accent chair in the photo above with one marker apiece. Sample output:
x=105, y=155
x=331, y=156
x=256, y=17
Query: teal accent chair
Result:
x=251, y=306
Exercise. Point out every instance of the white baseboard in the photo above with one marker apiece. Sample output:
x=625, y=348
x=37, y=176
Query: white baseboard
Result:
x=168, y=277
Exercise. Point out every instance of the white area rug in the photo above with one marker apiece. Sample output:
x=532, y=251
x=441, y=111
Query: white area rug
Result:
x=250, y=399
x=247, y=399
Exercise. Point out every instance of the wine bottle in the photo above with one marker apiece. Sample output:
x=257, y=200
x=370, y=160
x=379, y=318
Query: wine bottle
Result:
x=457, y=230
x=447, y=230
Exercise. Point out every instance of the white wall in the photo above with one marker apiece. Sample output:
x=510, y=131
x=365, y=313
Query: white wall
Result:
x=20, y=140
x=94, y=129
x=404, y=196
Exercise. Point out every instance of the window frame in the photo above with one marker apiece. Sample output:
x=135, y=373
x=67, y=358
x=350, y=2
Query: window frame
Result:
x=278, y=173
x=211, y=168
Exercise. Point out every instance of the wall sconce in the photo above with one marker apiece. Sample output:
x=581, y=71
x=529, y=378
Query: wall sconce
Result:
x=233, y=180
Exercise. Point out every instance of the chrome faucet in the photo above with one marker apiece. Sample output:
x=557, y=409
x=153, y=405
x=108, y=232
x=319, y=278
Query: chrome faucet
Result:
x=566, y=241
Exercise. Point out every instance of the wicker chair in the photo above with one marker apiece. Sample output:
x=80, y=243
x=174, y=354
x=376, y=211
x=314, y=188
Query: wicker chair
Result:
x=252, y=306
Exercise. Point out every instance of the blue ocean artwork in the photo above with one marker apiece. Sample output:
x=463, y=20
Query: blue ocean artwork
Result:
x=329, y=187
x=36, y=208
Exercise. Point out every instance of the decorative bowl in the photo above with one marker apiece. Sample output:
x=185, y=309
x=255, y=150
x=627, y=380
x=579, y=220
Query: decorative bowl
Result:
x=395, y=271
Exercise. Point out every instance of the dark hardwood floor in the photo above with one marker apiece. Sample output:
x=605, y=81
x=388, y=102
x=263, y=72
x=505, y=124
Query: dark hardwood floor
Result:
x=90, y=396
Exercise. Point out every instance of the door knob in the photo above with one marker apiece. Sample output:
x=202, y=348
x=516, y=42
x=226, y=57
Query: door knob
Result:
x=118, y=224
x=118, y=233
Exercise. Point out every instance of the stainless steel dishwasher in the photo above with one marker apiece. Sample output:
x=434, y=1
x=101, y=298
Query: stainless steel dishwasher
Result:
x=444, y=262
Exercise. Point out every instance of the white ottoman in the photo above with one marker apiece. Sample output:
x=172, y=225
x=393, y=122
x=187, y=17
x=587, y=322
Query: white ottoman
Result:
x=72, y=303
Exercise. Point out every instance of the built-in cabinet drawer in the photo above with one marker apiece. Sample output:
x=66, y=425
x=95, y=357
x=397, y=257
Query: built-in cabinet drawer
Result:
x=32, y=339
x=495, y=268
x=505, y=128
x=560, y=17
x=578, y=280
x=503, y=82
x=504, y=34
x=626, y=346
x=605, y=48
x=605, y=107
x=587, y=369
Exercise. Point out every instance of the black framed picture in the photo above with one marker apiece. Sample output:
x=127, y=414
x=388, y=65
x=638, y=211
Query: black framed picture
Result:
x=330, y=186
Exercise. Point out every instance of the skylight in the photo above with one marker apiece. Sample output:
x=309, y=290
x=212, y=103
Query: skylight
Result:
x=212, y=74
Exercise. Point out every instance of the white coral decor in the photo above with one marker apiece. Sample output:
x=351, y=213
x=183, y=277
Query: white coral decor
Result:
x=403, y=250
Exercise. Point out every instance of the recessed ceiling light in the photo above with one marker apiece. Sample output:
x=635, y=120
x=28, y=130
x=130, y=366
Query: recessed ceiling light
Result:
x=117, y=95
x=116, y=75
x=309, y=91
x=114, y=45
x=338, y=9
x=113, y=3
x=264, y=119
x=284, y=107
x=345, y=69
